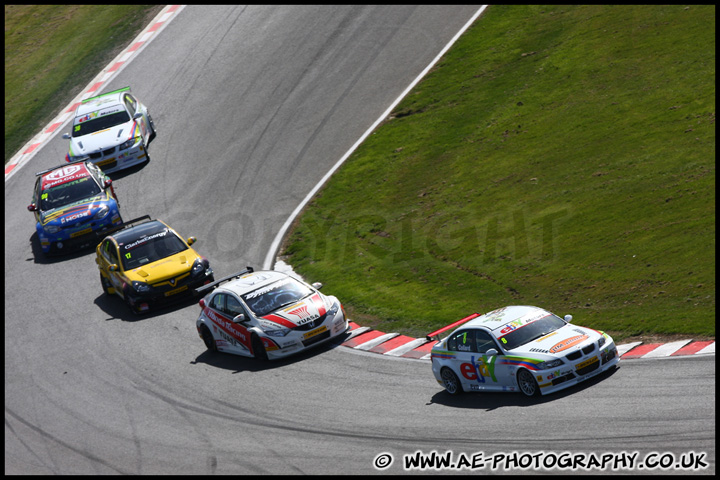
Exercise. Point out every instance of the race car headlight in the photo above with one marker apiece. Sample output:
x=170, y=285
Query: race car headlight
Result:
x=279, y=332
x=601, y=342
x=52, y=228
x=333, y=310
x=549, y=364
x=102, y=211
x=141, y=287
x=129, y=143
x=199, y=267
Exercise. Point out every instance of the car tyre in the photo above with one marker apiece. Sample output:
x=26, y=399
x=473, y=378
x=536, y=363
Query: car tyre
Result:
x=105, y=286
x=208, y=339
x=258, y=348
x=451, y=381
x=527, y=383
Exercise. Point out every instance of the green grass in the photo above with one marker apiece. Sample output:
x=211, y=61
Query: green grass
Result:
x=562, y=157
x=52, y=52
x=557, y=156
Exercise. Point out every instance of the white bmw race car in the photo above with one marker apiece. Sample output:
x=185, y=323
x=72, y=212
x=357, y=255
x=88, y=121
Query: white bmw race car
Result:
x=519, y=348
x=111, y=130
x=267, y=315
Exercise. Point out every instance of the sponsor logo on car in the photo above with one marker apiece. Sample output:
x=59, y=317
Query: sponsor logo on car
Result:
x=567, y=343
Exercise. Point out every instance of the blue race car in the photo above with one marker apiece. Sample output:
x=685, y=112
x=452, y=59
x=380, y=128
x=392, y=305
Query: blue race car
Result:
x=74, y=205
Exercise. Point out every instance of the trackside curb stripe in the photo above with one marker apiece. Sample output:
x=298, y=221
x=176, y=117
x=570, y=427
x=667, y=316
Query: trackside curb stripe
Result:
x=28, y=151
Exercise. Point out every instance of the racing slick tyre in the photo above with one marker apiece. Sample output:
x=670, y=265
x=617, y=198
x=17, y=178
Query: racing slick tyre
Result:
x=258, y=348
x=208, y=339
x=105, y=286
x=153, y=134
x=451, y=381
x=527, y=384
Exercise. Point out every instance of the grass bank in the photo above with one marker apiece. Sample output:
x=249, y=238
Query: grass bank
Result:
x=557, y=156
x=53, y=51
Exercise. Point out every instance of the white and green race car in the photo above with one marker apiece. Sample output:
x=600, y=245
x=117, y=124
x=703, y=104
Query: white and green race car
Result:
x=111, y=130
x=519, y=348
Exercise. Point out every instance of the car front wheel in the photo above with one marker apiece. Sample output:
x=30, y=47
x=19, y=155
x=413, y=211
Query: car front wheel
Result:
x=106, y=288
x=450, y=381
x=527, y=383
x=208, y=339
x=258, y=348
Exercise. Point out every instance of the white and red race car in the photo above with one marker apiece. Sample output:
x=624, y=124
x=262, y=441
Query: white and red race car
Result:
x=519, y=348
x=267, y=315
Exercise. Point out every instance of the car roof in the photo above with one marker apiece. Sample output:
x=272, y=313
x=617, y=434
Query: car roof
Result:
x=64, y=174
x=502, y=316
x=138, y=231
x=101, y=101
x=252, y=281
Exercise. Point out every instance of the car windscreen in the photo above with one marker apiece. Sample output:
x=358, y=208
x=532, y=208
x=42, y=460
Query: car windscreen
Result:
x=531, y=331
x=68, y=193
x=89, y=124
x=276, y=295
x=150, y=248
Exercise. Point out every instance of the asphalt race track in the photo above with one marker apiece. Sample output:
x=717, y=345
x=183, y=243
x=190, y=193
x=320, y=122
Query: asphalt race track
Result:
x=253, y=104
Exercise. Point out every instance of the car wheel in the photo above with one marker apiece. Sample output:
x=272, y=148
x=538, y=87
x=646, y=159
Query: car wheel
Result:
x=527, y=383
x=208, y=339
x=258, y=348
x=152, y=126
x=105, y=286
x=450, y=381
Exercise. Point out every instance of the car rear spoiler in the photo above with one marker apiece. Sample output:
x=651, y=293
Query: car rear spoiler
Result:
x=224, y=279
x=437, y=333
x=108, y=93
x=123, y=225
x=83, y=159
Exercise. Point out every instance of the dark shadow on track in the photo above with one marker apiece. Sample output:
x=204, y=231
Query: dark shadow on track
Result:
x=114, y=306
x=237, y=363
x=494, y=400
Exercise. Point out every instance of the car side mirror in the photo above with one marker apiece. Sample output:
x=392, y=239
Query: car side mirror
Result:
x=107, y=182
x=66, y=136
x=191, y=240
x=112, y=267
x=32, y=207
x=491, y=352
x=240, y=318
x=137, y=115
x=317, y=285
x=568, y=318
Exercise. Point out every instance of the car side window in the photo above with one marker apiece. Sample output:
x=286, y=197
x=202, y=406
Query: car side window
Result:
x=130, y=103
x=218, y=302
x=233, y=306
x=463, y=341
x=108, y=251
x=38, y=192
x=483, y=341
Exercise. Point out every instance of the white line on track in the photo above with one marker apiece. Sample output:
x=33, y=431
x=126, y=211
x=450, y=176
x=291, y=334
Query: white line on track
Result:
x=270, y=257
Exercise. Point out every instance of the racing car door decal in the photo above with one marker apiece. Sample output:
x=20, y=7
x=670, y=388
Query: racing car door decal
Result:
x=233, y=333
x=476, y=370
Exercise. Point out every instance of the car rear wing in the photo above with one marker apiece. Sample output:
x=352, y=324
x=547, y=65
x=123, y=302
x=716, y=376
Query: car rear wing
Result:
x=124, y=89
x=224, y=279
x=436, y=334
x=124, y=225
x=79, y=160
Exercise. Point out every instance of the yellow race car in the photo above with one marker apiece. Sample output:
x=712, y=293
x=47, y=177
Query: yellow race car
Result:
x=147, y=264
